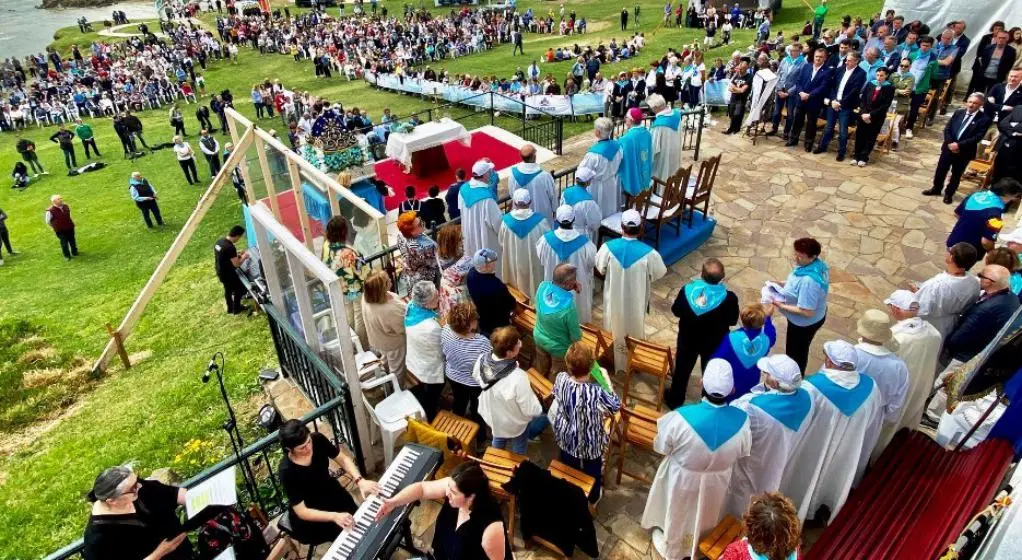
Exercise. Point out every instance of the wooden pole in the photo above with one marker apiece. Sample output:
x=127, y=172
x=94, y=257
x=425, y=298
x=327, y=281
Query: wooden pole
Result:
x=119, y=344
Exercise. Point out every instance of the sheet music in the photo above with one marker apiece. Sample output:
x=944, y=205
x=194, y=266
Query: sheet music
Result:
x=226, y=555
x=217, y=491
x=772, y=292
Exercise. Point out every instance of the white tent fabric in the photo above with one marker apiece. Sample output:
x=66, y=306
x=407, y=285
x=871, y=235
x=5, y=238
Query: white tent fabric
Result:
x=978, y=15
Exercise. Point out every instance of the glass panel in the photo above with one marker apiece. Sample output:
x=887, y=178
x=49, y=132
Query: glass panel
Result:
x=365, y=226
x=255, y=173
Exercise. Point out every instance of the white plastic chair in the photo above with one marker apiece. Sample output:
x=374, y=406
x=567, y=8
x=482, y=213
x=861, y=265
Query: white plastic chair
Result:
x=389, y=414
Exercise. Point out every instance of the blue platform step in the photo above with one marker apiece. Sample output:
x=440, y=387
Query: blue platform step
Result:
x=674, y=246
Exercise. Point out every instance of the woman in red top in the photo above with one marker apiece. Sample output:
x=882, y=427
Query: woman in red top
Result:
x=772, y=530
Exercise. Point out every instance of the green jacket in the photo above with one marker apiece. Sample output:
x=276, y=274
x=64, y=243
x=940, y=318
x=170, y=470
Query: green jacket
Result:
x=923, y=85
x=557, y=325
x=83, y=131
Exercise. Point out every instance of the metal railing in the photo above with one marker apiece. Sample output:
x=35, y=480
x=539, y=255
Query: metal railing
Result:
x=692, y=123
x=265, y=490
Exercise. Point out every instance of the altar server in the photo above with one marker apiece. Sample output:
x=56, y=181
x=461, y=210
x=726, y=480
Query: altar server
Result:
x=744, y=346
x=604, y=159
x=636, y=155
x=540, y=184
x=480, y=216
x=779, y=413
x=875, y=357
x=666, y=131
x=520, y=231
x=587, y=212
x=629, y=267
x=567, y=245
x=700, y=443
x=846, y=424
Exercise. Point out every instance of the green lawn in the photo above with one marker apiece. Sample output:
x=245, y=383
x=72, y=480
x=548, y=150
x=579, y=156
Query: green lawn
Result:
x=54, y=311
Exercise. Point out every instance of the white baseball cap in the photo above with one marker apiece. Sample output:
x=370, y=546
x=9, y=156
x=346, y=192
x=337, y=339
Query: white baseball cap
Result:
x=631, y=218
x=781, y=367
x=718, y=379
x=841, y=353
x=522, y=197
x=565, y=214
x=481, y=167
x=903, y=299
x=584, y=174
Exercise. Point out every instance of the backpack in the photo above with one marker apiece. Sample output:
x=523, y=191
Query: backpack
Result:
x=232, y=528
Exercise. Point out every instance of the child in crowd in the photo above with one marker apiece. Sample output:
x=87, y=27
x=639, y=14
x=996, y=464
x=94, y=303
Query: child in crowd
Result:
x=410, y=203
x=433, y=209
x=452, y=194
x=20, y=176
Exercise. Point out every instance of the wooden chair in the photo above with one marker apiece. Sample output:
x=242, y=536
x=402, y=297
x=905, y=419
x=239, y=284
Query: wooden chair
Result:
x=576, y=477
x=524, y=320
x=599, y=341
x=885, y=141
x=665, y=203
x=459, y=428
x=726, y=532
x=452, y=447
x=611, y=225
x=647, y=358
x=520, y=296
x=700, y=192
x=979, y=170
x=539, y=383
x=637, y=429
x=499, y=466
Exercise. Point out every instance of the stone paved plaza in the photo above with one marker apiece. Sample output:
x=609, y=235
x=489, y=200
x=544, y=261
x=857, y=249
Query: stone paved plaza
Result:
x=878, y=234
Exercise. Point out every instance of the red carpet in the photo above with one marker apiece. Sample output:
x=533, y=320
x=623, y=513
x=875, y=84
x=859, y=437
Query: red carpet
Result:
x=289, y=215
x=483, y=145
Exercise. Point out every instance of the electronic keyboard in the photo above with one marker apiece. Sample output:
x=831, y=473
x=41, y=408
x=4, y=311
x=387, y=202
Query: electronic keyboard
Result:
x=368, y=539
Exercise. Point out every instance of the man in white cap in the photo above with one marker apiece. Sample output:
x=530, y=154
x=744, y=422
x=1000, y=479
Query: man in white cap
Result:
x=480, y=215
x=847, y=419
x=875, y=357
x=629, y=267
x=587, y=212
x=666, y=131
x=530, y=176
x=604, y=159
x=520, y=231
x=779, y=414
x=919, y=347
x=700, y=443
x=567, y=245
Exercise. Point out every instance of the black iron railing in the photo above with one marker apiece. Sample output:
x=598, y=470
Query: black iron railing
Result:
x=692, y=122
x=262, y=458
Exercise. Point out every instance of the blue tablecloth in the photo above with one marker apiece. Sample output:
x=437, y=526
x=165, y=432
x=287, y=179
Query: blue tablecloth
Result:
x=318, y=206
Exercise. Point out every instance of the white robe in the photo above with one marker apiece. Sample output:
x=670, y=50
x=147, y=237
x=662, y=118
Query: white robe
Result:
x=626, y=295
x=519, y=260
x=890, y=374
x=953, y=426
x=832, y=456
x=584, y=259
x=605, y=187
x=587, y=217
x=666, y=149
x=773, y=445
x=944, y=297
x=480, y=224
x=919, y=347
x=541, y=187
x=687, y=497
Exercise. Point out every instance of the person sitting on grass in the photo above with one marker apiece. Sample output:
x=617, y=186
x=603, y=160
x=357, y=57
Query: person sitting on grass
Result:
x=20, y=176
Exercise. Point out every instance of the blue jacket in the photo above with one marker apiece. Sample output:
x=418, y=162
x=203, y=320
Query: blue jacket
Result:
x=850, y=96
x=980, y=324
x=817, y=88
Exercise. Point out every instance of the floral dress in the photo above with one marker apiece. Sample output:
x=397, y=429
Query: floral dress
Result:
x=421, y=263
x=349, y=267
x=453, y=289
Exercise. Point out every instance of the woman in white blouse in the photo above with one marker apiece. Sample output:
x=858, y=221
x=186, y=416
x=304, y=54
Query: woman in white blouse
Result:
x=424, y=358
x=186, y=159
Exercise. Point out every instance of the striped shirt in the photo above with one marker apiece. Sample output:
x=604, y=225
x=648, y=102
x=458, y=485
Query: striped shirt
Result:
x=578, y=426
x=461, y=354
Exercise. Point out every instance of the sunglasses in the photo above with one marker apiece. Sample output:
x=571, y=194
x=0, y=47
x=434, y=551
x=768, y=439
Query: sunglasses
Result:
x=987, y=278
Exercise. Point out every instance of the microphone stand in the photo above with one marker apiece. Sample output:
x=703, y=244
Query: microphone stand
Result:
x=231, y=424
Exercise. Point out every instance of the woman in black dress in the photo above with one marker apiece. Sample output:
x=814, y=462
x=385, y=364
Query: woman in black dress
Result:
x=320, y=506
x=470, y=525
x=134, y=519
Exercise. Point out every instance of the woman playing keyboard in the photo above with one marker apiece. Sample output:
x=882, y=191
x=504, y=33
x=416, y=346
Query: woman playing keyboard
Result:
x=470, y=525
x=320, y=506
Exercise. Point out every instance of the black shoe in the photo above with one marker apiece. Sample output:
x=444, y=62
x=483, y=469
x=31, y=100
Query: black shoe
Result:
x=809, y=147
x=840, y=157
x=947, y=199
x=931, y=192
x=818, y=150
x=790, y=143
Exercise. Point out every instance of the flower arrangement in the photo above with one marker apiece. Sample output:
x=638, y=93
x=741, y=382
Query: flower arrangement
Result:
x=197, y=455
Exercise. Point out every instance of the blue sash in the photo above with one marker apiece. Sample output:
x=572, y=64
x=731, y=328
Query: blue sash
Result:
x=753, y=555
x=575, y=194
x=789, y=410
x=523, y=179
x=416, y=314
x=636, y=168
x=749, y=350
x=817, y=271
x=494, y=181
x=521, y=228
x=846, y=400
x=715, y=425
x=471, y=195
x=671, y=120
x=628, y=251
x=551, y=298
x=1016, y=283
x=606, y=148
x=715, y=294
x=564, y=249
x=984, y=200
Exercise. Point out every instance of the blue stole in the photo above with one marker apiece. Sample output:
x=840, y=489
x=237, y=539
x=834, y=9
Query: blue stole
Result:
x=471, y=195
x=521, y=228
x=715, y=425
x=575, y=194
x=416, y=314
x=788, y=409
x=715, y=294
x=564, y=249
x=636, y=170
x=607, y=148
x=846, y=400
x=523, y=179
x=983, y=200
x=628, y=251
x=551, y=298
x=1015, y=283
x=817, y=271
x=671, y=120
x=494, y=181
x=753, y=555
x=749, y=350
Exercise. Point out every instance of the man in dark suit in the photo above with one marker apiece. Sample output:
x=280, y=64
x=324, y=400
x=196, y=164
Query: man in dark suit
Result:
x=1002, y=98
x=846, y=85
x=961, y=138
x=1008, y=162
x=811, y=87
x=981, y=78
x=876, y=100
x=981, y=322
x=961, y=42
x=635, y=91
x=837, y=60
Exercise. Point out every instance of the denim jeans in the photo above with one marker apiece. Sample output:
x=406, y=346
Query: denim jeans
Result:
x=843, y=117
x=520, y=443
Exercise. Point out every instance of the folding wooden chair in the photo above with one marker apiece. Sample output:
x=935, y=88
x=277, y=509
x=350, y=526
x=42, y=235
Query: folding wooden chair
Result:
x=638, y=429
x=499, y=466
x=599, y=342
x=520, y=296
x=524, y=320
x=651, y=359
x=665, y=202
x=700, y=191
x=726, y=532
x=979, y=170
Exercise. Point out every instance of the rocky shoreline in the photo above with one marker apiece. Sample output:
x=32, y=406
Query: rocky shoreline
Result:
x=49, y=4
